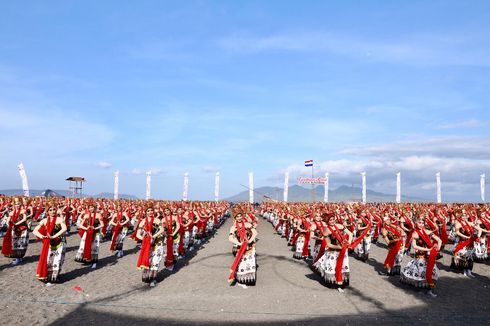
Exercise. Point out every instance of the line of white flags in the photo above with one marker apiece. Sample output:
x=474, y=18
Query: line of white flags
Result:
x=185, y=194
x=398, y=187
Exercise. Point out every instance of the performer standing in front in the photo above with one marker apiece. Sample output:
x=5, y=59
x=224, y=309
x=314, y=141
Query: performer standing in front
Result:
x=394, y=236
x=464, y=247
x=90, y=228
x=422, y=271
x=243, y=269
x=150, y=231
x=333, y=266
x=119, y=222
x=16, y=238
x=52, y=231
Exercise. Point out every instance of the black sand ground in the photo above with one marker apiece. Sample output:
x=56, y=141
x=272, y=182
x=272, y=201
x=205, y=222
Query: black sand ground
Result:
x=197, y=292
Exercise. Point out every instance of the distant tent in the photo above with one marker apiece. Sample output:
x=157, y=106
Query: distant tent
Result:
x=50, y=193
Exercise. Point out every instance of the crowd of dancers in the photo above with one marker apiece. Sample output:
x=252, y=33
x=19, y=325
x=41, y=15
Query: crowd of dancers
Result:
x=164, y=230
x=325, y=235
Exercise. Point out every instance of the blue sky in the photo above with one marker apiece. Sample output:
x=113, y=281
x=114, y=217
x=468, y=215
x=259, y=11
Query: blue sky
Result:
x=87, y=88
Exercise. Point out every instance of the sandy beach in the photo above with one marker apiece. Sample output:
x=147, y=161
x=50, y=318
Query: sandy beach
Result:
x=197, y=292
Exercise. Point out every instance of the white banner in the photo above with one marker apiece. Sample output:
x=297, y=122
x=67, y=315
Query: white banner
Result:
x=23, y=177
x=325, y=195
x=363, y=174
x=251, y=187
x=185, y=194
x=148, y=185
x=398, y=188
x=116, y=185
x=311, y=180
x=216, y=187
x=482, y=187
x=438, y=186
x=286, y=186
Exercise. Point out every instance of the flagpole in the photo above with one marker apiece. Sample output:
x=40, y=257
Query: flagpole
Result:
x=312, y=185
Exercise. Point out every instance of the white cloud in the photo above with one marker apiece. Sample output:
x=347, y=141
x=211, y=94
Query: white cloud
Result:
x=460, y=160
x=470, y=147
x=137, y=171
x=154, y=171
x=49, y=132
x=434, y=49
x=104, y=165
x=209, y=169
x=471, y=123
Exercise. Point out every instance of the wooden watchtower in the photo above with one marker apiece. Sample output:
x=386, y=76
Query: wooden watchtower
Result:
x=76, y=186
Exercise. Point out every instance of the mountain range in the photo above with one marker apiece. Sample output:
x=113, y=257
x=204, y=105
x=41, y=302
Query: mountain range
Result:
x=295, y=194
x=65, y=193
x=300, y=194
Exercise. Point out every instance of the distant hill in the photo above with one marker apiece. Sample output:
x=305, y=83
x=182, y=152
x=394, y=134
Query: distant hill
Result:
x=300, y=194
x=33, y=192
x=110, y=195
x=65, y=193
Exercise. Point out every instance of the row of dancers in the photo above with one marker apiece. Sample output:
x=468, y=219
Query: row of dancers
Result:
x=325, y=234
x=165, y=231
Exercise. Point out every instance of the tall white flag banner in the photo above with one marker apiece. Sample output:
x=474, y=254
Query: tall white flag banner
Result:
x=116, y=185
x=363, y=174
x=251, y=187
x=23, y=177
x=325, y=195
x=398, y=188
x=148, y=185
x=482, y=187
x=216, y=187
x=286, y=186
x=186, y=186
x=438, y=186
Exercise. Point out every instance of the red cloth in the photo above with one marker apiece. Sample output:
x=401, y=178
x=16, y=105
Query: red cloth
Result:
x=140, y=217
x=89, y=238
x=144, y=257
x=340, y=260
x=74, y=216
x=463, y=244
x=390, y=258
x=116, y=230
x=169, y=260
x=181, y=233
x=279, y=224
x=7, y=239
x=469, y=242
x=358, y=240
x=431, y=262
x=323, y=244
x=443, y=231
x=38, y=210
x=42, y=266
x=305, y=252
x=242, y=233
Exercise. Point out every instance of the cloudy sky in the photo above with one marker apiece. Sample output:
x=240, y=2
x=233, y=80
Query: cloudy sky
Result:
x=87, y=88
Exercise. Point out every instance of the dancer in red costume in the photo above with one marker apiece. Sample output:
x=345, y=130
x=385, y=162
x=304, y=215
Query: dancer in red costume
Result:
x=243, y=269
x=333, y=265
x=119, y=221
x=52, y=231
x=16, y=238
x=90, y=229
x=421, y=271
x=393, y=234
x=150, y=232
